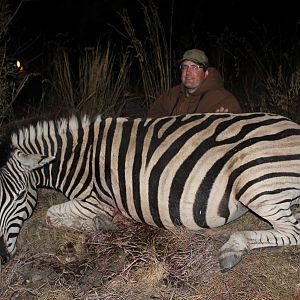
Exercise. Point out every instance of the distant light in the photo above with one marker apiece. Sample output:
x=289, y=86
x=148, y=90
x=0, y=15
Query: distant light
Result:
x=19, y=66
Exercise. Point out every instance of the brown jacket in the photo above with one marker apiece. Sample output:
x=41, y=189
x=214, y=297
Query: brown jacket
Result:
x=210, y=96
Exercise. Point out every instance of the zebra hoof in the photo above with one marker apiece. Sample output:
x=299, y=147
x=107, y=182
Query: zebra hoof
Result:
x=228, y=260
x=232, y=251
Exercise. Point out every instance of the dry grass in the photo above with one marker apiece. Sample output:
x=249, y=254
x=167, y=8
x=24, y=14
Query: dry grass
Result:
x=138, y=262
x=100, y=83
x=103, y=80
x=260, y=68
x=152, y=50
x=7, y=68
x=283, y=93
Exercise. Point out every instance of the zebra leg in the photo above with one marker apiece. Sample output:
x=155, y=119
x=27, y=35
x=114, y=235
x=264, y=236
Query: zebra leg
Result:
x=286, y=231
x=86, y=215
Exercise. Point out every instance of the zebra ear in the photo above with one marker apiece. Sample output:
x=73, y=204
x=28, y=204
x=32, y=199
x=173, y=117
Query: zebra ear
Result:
x=34, y=161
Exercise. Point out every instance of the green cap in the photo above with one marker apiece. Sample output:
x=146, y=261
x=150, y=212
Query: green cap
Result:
x=195, y=55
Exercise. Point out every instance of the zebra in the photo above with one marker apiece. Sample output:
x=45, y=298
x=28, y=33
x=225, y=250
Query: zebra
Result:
x=18, y=193
x=193, y=171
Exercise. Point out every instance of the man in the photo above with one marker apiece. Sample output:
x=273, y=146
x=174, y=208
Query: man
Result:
x=201, y=90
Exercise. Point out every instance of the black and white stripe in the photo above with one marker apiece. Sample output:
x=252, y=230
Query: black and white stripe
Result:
x=18, y=195
x=196, y=171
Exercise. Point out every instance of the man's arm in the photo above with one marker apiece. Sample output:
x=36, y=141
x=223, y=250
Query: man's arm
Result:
x=156, y=109
x=228, y=103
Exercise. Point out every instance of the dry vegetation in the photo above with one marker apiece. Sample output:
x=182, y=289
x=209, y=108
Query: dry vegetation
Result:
x=100, y=85
x=138, y=262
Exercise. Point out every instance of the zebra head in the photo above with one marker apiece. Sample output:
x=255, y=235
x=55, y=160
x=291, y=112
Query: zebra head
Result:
x=17, y=196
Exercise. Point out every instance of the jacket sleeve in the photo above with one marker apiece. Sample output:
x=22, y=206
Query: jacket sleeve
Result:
x=156, y=109
x=164, y=104
x=224, y=98
x=230, y=102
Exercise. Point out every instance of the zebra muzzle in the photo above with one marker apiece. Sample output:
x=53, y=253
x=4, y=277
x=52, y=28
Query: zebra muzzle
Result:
x=4, y=256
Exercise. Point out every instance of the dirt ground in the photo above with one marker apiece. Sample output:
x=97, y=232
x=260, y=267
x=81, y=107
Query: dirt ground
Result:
x=138, y=262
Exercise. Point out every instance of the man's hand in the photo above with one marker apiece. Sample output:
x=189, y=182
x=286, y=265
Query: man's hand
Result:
x=222, y=110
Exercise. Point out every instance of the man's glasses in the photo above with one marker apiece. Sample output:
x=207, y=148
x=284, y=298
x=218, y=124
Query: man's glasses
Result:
x=184, y=67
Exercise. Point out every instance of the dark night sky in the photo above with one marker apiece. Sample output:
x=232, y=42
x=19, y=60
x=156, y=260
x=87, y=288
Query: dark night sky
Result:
x=90, y=17
x=86, y=21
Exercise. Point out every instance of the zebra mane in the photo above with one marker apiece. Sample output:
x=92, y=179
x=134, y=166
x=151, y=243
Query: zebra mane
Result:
x=37, y=127
x=72, y=122
x=6, y=149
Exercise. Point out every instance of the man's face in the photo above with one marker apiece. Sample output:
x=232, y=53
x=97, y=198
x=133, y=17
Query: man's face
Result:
x=192, y=74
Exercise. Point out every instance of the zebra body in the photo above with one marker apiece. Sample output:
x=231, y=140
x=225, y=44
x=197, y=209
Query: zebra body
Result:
x=196, y=171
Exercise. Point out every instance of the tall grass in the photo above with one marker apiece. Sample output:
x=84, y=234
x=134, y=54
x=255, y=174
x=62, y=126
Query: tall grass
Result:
x=103, y=80
x=283, y=93
x=64, y=81
x=98, y=89
x=153, y=51
x=261, y=69
x=8, y=71
x=99, y=84
x=12, y=80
